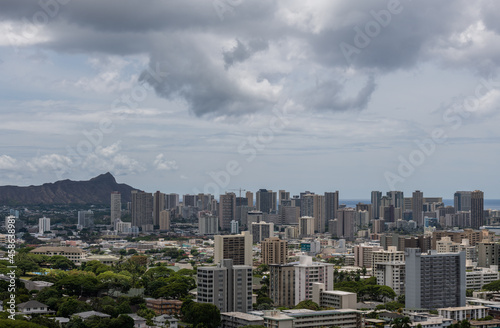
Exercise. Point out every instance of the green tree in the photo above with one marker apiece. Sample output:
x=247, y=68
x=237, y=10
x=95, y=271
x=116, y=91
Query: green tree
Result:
x=403, y=322
x=60, y=262
x=308, y=304
x=71, y=306
x=198, y=314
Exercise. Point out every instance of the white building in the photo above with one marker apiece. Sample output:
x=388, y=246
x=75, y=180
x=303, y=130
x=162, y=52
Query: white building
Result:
x=479, y=277
x=390, y=255
x=337, y=299
x=308, y=272
x=464, y=312
x=85, y=219
x=208, y=224
x=43, y=225
x=391, y=274
x=116, y=206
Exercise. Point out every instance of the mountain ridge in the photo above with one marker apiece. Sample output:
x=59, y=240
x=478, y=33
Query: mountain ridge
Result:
x=97, y=190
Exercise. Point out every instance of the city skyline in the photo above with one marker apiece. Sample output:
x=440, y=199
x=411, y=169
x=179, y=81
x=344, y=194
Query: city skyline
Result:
x=220, y=95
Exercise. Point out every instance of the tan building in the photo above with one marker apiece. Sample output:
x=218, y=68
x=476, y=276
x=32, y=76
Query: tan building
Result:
x=282, y=284
x=72, y=253
x=337, y=299
x=474, y=236
x=390, y=255
x=235, y=247
x=304, y=318
x=363, y=254
x=164, y=220
x=306, y=226
x=274, y=251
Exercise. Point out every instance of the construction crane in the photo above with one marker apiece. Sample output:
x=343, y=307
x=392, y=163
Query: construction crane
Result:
x=239, y=190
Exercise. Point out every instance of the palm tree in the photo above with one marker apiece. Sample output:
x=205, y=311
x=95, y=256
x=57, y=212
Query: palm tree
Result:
x=403, y=322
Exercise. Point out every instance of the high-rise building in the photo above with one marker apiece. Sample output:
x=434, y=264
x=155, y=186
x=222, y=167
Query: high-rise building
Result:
x=142, y=209
x=189, y=200
x=85, y=220
x=171, y=201
x=261, y=231
x=274, y=251
x=390, y=255
x=158, y=206
x=235, y=247
x=363, y=254
x=208, y=224
x=43, y=225
x=164, y=220
x=227, y=286
x=488, y=254
x=289, y=215
x=227, y=210
x=306, y=226
x=249, y=196
x=462, y=201
x=434, y=280
x=292, y=283
x=477, y=209
x=266, y=201
x=235, y=227
x=283, y=195
x=397, y=198
x=391, y=274
x=376, y=199
x=418, y=207
x=331, y=205
x=116, y=206
x=314, y=206
x=346, y=217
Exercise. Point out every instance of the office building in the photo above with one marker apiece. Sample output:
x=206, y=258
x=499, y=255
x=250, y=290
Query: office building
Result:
x=314, y=206
x=164, y=220
x=142, y=209
x=208, y=224
x=227, y=286
x=116, y=206
x=266, y=201
x=85, y=220
x=253, y=217
x=235, y=247
x=331, y=205
x=346, y=218
x=261, y=231
x=274, y=251
x=306, y=226
x=418, y=207
x=283, y=195
x=227, y=210
x=158, y=206
x=289, y=214
x=477, y=209
x=43, y=225
x=434, y=280
x=189, y=200
x=171, y=201
x=462, y=201
x=376, y=197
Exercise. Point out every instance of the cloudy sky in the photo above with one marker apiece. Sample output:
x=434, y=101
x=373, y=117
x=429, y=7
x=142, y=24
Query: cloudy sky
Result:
x=194, y=95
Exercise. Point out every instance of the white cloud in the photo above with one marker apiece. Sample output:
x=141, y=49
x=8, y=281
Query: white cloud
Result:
x=161, y=163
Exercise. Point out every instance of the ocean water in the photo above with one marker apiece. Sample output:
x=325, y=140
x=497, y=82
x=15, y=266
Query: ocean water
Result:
x=493, y=204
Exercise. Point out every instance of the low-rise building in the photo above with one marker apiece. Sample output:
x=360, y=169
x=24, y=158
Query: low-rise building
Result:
x=464, y=312
x=33, y=307
x=240, y=319
x=73, y=254
x=333, y=298
x=479, y=277
x=303, y=318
